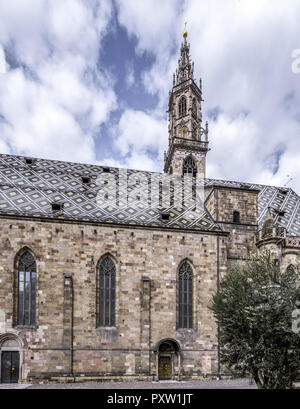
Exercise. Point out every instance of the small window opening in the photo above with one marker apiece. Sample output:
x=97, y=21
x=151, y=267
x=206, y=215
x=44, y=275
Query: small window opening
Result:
x=29, y=161
x=165, y=216
x=57, y=207
x=86, y=180
x=236, y=217
x=280, y=212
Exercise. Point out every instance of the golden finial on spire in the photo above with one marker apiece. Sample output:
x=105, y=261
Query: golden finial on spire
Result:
x=185, y=33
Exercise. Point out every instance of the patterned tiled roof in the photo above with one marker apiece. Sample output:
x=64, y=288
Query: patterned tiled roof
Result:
x=30, y=189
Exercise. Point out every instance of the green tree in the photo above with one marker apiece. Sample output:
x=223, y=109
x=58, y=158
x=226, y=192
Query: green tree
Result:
x=253, y=309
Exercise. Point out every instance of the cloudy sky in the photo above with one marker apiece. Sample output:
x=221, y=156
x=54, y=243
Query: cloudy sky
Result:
x=88, y=81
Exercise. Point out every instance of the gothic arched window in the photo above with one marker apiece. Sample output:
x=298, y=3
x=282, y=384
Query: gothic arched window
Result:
x=182, y=106
x=189, y=166
x=185, y=296
x=26, y=290
x=194, y=108
x=107, y=293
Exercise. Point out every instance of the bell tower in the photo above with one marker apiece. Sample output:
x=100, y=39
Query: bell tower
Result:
x=188, y=140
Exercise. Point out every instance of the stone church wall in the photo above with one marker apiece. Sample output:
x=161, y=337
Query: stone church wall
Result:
x=147, y=262
x=222, y=203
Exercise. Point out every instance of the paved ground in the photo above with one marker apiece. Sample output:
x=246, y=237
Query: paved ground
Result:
x=13, y=386
x=205, y=384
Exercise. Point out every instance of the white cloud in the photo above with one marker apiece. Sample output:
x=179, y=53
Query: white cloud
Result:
x=140, y=139
x=53, y=97
x=156, y=24
x=3, y=64
x=140, y=131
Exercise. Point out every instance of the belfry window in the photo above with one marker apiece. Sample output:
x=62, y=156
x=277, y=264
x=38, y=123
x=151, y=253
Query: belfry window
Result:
x=189, y=167
x=107, y=293
x=182, y=106
x=26, y=290
x=185, y=296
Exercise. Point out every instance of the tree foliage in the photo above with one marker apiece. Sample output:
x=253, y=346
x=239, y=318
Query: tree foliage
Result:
x=253, y=309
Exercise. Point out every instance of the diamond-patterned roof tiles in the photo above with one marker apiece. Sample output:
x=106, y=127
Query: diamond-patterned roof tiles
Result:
x=30, y=189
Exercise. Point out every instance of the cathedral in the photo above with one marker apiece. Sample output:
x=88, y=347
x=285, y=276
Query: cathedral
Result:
x=101, y=278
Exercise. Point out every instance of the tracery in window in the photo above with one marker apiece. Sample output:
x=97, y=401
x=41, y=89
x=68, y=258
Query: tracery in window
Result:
x=107, y=293
x=26, y=290
x=185, y=296
x=182, y=106
x=189, y=166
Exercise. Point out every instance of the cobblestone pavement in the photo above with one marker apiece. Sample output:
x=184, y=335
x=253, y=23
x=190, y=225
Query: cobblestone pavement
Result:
x=205, y=384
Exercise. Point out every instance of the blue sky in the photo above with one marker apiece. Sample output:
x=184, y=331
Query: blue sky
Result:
x=88, y=81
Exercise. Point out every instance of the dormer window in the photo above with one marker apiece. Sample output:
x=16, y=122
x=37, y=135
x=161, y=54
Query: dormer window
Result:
x=165, y=217
x=57, y=207
x=86, y=180
x=280, y=213
x=29, y=161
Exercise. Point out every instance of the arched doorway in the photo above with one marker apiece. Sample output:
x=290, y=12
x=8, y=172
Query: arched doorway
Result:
x=10, y=369
x=167, y=359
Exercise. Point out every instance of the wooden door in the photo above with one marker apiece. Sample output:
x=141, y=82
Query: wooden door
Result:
x=10, y=361
x=164, y=368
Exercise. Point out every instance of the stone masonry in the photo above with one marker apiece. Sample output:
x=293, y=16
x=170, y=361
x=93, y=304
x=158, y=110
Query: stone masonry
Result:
x=146, y=306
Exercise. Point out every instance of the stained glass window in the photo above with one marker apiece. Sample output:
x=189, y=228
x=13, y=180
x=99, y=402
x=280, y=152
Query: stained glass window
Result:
x=185, y=296
x=26, y=290
x=107, y=293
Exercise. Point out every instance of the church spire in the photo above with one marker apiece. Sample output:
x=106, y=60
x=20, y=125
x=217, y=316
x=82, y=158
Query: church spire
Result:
x=185, y=69
x=188, y=139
